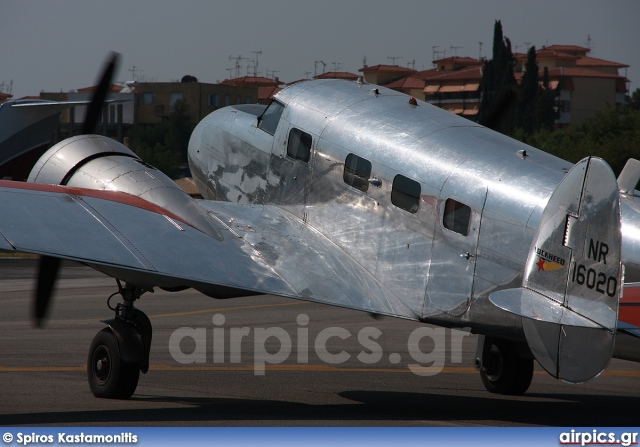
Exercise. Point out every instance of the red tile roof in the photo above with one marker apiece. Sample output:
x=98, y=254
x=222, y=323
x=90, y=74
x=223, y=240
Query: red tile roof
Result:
x=408, y=82
x=474, y=73
x=580, y=72
x=428, y=74
x=553, y=54
x=267, y=92
x=113, y=89
x=337, y=75
x=464, y=61
x=387, y=68
x=594, y=62
x=575, y=49
x=251, y=81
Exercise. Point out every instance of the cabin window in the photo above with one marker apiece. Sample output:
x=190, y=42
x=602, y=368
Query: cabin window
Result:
x=457, y=217
x=270, y=118
x=357, y=172
x=405, y=193
x=299, y=145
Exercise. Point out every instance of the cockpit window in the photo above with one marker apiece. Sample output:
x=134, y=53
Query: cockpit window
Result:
x=271, y=117
x=299, y=146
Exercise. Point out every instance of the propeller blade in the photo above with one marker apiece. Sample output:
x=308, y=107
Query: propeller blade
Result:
x=94, y=110
x=48, y=268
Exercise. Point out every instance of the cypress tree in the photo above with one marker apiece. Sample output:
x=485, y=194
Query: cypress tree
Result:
x=497, y=105
x=529, y=92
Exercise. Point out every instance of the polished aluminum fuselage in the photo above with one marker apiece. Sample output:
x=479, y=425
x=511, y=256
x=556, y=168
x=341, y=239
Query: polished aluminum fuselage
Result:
x=413, y=255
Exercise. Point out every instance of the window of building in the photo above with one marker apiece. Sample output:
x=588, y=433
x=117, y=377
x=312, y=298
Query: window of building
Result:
x=214, y=100
x=248, y=100
x=112, y=113
x=457, y=217
x=227, y=100
x=357, y=172
x=239, y=100
x=299, y=145
x=270, y=118
x=405, y=193
x=148, y=98
x=173, y=98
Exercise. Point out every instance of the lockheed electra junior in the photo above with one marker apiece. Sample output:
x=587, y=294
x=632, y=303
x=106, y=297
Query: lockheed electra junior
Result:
x=357, y=196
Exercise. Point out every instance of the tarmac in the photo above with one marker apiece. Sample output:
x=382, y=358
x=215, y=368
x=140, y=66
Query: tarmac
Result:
x=283, y=363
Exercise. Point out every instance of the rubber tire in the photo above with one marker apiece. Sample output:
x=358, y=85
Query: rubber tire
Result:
x=509, y=373
x=120, y=379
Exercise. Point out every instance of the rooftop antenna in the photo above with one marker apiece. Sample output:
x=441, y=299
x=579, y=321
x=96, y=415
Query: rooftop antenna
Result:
x=238, y=59
x=133, y=70
x=412, y=63
x=255, y=67
x=455, y=50
x=306, y=74
x=393, y=59
x=273, y=73
x=480, y=50
x=315, y=67
x=364, y=61
x=230, y=70
x=336, y=66
x=528, y=45
x=433, y=49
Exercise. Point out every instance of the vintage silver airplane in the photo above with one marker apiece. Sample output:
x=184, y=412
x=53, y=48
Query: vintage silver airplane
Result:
x=356, y=196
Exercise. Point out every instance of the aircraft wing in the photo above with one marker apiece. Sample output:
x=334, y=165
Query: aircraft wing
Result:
x=56, y=106
x=263, y=249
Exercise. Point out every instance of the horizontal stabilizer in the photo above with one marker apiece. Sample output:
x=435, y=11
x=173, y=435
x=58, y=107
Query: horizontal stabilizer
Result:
x=529, y=304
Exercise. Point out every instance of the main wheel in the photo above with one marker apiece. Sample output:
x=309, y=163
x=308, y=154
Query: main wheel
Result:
x=506, y=373
x=108, y=375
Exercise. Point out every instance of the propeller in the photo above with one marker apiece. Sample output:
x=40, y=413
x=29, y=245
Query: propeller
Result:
x=48, y=266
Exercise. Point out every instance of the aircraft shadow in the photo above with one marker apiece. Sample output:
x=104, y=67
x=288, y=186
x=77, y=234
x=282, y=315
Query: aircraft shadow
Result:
x=365, y=408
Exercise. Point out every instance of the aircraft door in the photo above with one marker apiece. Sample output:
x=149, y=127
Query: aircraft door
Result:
x=455, y=242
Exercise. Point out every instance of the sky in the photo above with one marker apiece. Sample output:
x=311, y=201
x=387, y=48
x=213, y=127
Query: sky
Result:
x=60, y=45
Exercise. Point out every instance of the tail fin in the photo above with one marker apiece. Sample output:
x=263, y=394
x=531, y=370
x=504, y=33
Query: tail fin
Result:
x=573, y=277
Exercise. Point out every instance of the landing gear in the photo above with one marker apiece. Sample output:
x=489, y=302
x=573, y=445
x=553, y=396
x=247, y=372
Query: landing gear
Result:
x=109, y=376
x=503, y=369
x=119, y=352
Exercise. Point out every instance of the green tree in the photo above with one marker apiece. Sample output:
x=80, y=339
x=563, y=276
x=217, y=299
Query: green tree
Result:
x=528, y=93
x=612, y=134
x=497, y=105
x=635, y=99
x=164, y=145
x=544, y=108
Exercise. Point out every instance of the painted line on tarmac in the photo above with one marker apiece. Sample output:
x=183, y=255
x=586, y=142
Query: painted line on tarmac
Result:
x=290, y=368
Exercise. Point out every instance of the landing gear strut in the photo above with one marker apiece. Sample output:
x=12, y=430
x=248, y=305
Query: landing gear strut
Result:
x=120, y=351
x=504, y=369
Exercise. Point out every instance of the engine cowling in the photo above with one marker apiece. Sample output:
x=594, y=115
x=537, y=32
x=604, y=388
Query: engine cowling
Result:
x=98, y=162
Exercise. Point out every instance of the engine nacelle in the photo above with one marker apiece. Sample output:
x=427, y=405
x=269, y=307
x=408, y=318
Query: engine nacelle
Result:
x=98, y=162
